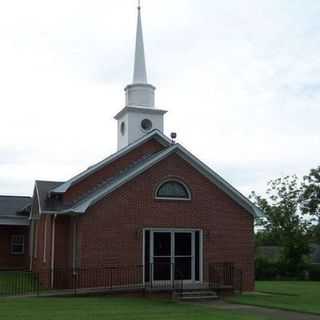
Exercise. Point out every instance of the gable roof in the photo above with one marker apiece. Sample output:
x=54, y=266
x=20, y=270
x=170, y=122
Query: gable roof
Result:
x=14, y=210
x=43, y=188
x=139, y=168
x=46, y=189
x=155, y=134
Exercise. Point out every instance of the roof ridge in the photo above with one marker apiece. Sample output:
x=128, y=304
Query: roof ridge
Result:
x=12, y=196
x=67, y=184
x=126, y=173
x=49, y=181
x=120, y=174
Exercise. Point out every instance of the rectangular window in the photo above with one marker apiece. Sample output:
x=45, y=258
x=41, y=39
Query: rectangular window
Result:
x=197, y=256
x=17, y=244
x=147, y=255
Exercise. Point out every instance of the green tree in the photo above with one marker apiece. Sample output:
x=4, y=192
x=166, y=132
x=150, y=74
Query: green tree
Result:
x=282, y=223
x=310, y=200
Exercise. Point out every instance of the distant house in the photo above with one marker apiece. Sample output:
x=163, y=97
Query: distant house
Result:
x=14, y=231
x=315, y=253
x=273, y=253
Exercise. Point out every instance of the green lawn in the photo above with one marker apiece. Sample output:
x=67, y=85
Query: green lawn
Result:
x=301, y=296
x=14, y=282
x=111, y=308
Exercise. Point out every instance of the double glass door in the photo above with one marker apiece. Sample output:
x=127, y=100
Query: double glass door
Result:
x=173, y=255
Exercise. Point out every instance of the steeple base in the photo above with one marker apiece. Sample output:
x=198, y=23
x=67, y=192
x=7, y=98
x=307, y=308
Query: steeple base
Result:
x=140, y=95
x=135, y=122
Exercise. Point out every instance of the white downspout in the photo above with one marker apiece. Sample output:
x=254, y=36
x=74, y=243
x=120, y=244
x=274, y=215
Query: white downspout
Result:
x=31, y=244
x=53, y=248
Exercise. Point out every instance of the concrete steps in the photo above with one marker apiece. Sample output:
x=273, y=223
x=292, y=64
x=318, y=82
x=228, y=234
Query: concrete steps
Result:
x=196, y=295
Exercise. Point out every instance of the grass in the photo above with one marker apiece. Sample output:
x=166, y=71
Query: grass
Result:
x=111, y=308
x=17, y=282
x=302, y=296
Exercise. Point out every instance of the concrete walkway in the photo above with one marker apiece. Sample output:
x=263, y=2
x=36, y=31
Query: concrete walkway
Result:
x=275, y=314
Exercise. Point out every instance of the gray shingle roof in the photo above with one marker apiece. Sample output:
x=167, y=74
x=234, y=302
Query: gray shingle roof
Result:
x=10, y=206
x=14, y=210
x=63, y=187
x=114, y=182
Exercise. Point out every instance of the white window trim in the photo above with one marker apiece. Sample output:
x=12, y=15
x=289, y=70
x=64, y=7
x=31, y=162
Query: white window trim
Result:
x=172, y=198
x=12, y=244
x=36, y=230
x=172, y=231
x=45, y=240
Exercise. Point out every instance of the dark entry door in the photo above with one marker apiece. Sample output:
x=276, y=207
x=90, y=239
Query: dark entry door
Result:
x=183, y=255
x=172, y=255
x=162, y=253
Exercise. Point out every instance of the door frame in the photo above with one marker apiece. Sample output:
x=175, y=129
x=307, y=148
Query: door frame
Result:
x=173, y=231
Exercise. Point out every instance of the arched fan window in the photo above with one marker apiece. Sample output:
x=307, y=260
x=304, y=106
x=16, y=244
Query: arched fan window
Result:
x=173, y=189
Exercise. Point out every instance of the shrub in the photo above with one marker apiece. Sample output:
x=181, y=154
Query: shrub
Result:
x=314, y=272
x=266, y=269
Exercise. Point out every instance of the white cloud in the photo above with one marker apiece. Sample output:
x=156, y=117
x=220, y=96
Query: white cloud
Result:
x=243, y=74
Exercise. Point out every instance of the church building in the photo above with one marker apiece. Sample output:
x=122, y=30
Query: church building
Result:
x=151, y=204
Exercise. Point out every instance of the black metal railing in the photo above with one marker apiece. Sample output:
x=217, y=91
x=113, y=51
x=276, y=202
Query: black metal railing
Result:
x=156, y=276
x=225, y=276
x=111, y=278
x=165, y=276
x=18, y=283
x=237, y=281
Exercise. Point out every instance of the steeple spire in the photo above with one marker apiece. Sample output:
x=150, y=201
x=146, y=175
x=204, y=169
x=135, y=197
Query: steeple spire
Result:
x=139, y=116
x=140, y=93
x=140, y=73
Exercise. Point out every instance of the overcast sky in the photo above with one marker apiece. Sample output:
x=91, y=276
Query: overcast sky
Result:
x=240, y=79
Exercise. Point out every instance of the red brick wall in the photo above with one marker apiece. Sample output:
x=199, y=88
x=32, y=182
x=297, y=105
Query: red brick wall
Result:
x=63, y=249
x=7, y=260
x=110, y=232
x=90, y=182
x=63, y=243
x=39, y=262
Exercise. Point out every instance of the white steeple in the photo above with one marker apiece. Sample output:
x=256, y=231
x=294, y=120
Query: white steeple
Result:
x=139, y=116
x=140, y=72
x=140, y=93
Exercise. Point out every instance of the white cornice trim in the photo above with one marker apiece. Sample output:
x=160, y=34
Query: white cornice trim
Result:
x=139, y=109
x=153, y=134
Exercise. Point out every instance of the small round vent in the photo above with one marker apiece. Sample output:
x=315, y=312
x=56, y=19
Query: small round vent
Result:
x=146, y=124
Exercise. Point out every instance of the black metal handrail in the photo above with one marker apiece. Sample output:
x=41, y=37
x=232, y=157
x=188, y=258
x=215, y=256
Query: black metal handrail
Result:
x=175, y=281
x=225, y=276
x=18, y=283
x=217, y=276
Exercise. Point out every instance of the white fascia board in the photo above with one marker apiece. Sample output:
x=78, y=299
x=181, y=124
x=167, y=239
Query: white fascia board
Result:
x=84, y=206
x=220, y=182
x=33, y=199
x=11, y=221
x=155, y=133
x=38, y=198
